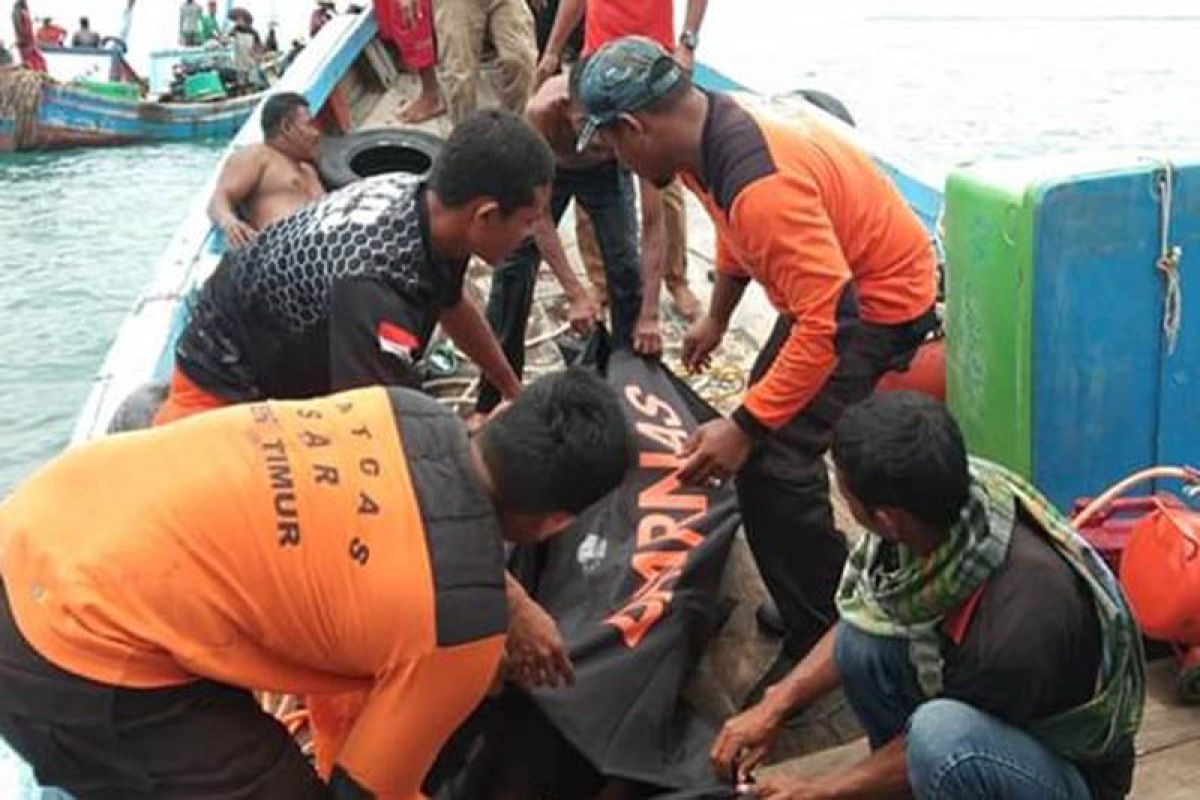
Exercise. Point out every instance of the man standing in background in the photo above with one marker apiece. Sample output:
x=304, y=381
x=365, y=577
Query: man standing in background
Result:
x=462, y=26
x=408, y=25
x=604, y=21
x=210, y=29
x=31, y=57
x=189, y=23
x=85, y=36
x=50, y=34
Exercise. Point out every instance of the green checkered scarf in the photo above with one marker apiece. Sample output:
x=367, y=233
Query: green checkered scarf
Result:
x=888, y=590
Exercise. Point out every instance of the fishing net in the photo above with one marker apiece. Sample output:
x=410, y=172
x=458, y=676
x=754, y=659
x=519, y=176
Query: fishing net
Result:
x=20, y=100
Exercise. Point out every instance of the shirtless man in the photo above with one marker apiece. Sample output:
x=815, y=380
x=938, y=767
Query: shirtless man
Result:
x=267, y=182
x=595, y=180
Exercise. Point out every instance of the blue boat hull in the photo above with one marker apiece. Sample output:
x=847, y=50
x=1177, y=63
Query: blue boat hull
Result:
x=72, y=117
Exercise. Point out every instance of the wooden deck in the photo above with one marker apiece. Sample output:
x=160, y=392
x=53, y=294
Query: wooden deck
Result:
x=1168, y=745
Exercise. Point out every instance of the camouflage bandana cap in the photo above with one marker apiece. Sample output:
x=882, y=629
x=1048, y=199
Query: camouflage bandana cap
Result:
x=623, y=76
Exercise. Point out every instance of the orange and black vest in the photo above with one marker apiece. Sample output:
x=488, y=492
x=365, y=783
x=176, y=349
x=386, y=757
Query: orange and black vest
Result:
x=328, y=545
x=806, y=213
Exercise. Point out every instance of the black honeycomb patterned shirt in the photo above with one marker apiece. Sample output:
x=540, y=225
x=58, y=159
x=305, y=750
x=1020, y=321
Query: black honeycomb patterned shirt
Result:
x=343, y=293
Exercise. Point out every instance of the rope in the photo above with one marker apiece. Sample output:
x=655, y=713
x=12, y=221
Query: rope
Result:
x=1169, y=257
x=21, y=100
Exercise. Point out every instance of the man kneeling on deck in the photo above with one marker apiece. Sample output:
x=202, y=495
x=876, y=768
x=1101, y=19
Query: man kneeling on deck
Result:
x=982, y=644
x=353, y=542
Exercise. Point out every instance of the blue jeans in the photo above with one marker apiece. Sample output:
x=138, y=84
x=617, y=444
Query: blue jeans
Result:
x=607, y=192
x=954, y=750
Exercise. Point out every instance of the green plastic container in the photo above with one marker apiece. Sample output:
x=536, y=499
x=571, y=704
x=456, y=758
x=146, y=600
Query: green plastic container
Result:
x=115, y=90
x=204, y=86
x=989, y=279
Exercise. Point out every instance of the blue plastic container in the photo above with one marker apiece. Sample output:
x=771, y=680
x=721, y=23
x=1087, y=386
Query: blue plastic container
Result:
x=1055, y=259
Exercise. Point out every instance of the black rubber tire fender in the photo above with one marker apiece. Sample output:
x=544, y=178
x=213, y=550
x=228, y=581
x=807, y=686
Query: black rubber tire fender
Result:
x=827, y=103
x=346, y=159
x=137, y=411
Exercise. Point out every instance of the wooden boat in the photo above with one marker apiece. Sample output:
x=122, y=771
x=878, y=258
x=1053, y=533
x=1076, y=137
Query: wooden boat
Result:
x=64, y=109
x=352, y=84
x=351, y=79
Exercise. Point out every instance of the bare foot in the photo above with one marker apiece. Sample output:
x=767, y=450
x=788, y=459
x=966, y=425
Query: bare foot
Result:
x=421, y=108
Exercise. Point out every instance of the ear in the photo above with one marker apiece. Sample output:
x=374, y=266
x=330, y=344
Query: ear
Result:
x=628, y=123
x=486, y=209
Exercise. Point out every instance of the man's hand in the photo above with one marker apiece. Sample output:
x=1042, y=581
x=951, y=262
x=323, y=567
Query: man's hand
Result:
x=547, y=68
x=745, y=739
x=647, y=336
x=685, y=57
x=535, y=652
x=238, y=234
x=701, y=339
x=780, y=788
x=715, y=452
x=582, y=312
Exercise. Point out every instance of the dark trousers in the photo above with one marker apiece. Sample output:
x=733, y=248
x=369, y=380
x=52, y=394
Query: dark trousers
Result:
x=606, y=191
x=102, y=742
x=783, y=489
x=545, y=24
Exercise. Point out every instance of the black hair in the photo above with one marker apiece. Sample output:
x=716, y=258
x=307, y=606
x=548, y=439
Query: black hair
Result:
x=562, y=445
x=903, y=450
x=492, y=153
x=83, y=22
x=277, y=109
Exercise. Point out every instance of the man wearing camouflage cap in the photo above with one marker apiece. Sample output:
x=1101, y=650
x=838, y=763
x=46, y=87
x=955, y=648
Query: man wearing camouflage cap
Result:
x=842, y=258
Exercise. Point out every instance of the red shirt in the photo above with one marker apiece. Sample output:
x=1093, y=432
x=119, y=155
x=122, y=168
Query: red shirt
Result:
x=51, y=35
x=611, y=19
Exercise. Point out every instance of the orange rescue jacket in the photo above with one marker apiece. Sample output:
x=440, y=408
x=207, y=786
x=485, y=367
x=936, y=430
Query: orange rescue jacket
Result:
x=325, y=545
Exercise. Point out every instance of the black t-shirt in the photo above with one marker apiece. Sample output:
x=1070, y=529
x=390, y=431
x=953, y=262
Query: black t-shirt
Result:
x=343, y=293
x=1031, y=648
x=85, y=39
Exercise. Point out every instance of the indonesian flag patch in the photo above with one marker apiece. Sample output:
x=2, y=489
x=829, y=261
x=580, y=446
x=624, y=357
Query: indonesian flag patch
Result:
x=397, y=341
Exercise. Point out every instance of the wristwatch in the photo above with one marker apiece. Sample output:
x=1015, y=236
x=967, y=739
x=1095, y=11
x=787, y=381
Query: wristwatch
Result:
x=689, y=39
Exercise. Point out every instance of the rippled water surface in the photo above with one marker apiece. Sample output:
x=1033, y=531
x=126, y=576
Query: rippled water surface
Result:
x=79, y=235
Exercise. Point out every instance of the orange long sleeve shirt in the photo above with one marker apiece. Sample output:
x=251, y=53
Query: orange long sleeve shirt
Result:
x=805, y=213
x=286, y=546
